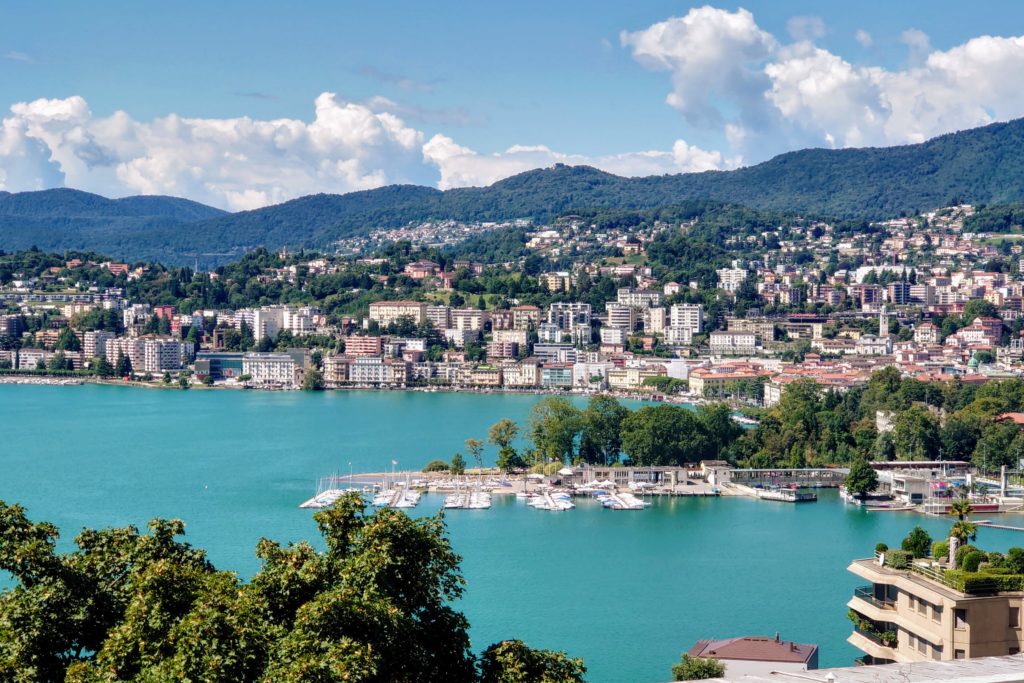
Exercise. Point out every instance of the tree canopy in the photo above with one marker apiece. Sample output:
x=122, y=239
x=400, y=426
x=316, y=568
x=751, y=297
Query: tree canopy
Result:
x=375, y=605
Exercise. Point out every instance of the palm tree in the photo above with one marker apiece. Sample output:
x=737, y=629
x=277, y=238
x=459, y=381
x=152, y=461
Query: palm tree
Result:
x=961, y=508
x=964, y=531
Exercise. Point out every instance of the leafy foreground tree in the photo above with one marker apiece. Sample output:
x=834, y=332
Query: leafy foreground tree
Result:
x=692, y=668
x=125, y=606
x=862, y=478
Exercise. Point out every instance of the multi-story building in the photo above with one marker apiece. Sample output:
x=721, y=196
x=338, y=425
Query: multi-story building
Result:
x=638, y=298
x=439, y=316
x=914, y=614
x=620, y=315
x=358, y=345
x=269, y=368
x=267, y=322
x=468, y=319
x=926, y=333
x=524, y=374
x=510, y=336
x=688, y=316
x=556, y=376
x=655, y=320
x=762, y=328
x=730, y=279
x=525, y=317
x=733, y=343
x=367, y=370
x=498, y=349
x=569, y=314
x=549, y=333
x=613, y=336
x=336, y=369
x=678, y=336
x=556, y=282
x=386, y=312
x=10, y=325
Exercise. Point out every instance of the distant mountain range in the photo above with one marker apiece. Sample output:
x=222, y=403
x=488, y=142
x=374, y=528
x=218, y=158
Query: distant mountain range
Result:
x=981, y=166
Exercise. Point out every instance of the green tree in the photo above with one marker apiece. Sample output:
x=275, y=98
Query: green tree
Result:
x=458, y=464
x=313, y=380
x=916, y=435
x=964, y=531
x=123, y=366
x=918, y=542
x=692, y=668
x=502, y=434
x=436, y=466
x=512, y=661
x=103, y=367
x=475, y=448
x=862, y=479
x=183, y=382
x=67, y=340
x=601, y=438
x=555, y=424
x=663, y=435
x=373, y=607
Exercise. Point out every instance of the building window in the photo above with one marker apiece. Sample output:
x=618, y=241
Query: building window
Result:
x=959, y=654
x=936, y=613
x=1015, y=617
x=960, y=619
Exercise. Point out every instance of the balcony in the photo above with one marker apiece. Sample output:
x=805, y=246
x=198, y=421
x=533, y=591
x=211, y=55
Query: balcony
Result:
x=867, y=594
x=884, y=639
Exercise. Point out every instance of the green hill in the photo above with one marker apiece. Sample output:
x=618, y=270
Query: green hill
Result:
x=980, y=166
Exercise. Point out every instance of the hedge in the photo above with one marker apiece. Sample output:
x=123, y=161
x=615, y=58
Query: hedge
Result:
x=898, y=559
x=982, y=582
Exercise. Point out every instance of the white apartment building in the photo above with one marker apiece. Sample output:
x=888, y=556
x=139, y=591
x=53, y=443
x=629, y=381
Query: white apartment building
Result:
x=733, y=343
x=730, y=279
x=568, y=315
x=269, y=368
x=687, y=316
x=387, y=312
x=613, y=336
x=510, y=336
x=638, y=298
x=549, y=333
x=439, y=316
x=620, y=315
x=94, y=343
x=678, y=336
x=468, y=319
x=655, y=320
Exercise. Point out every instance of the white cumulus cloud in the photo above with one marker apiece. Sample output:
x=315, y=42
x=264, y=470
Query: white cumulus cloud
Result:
x=764, y=97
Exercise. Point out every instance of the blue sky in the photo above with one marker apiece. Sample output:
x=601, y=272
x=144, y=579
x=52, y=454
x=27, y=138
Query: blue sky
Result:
x=582, y=79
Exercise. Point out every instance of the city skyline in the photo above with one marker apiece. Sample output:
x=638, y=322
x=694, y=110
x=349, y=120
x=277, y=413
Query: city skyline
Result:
x=248, y=108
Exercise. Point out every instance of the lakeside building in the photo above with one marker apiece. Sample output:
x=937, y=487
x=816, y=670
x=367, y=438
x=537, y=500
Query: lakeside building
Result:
x=914, y=615
x=218, y=364
x=687, y=317
x=1006, y=669
x=270, y=368
x=758, y=655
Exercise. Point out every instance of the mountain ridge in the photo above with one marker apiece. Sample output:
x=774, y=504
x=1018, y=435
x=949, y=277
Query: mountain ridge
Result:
x=976, y=165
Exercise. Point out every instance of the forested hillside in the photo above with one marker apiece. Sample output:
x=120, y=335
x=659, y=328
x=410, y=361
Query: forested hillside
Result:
x=980, y=166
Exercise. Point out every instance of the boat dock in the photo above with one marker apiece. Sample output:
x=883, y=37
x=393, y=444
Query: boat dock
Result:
x=782, y=495
x=992, y=525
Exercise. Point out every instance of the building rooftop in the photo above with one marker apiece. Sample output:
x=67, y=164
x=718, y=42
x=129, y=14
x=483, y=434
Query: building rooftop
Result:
x=755, y=648
x=1006, y=669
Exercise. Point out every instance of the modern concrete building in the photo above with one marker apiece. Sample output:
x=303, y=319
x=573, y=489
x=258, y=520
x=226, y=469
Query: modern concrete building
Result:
x=687, y=316
x=917, y=614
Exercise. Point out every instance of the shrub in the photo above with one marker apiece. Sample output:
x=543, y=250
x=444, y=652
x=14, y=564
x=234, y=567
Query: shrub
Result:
x=692, y=668
x=967, y=582
x=436, y=466
x=940, y=550
x=972, y=561
x=898, y=559
x=962, y=552
x=1015, y=560
x=918, y=542
x=881, y=547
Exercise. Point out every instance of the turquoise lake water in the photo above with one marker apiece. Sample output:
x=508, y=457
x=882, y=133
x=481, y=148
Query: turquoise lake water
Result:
x=627, y=591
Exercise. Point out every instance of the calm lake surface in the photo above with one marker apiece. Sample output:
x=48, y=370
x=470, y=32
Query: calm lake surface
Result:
x=627, y=591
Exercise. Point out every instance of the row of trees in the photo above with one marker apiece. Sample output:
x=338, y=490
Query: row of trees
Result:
x=559, y=432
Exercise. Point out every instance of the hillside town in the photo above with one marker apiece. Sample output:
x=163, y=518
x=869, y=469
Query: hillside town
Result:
x=919, y=294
